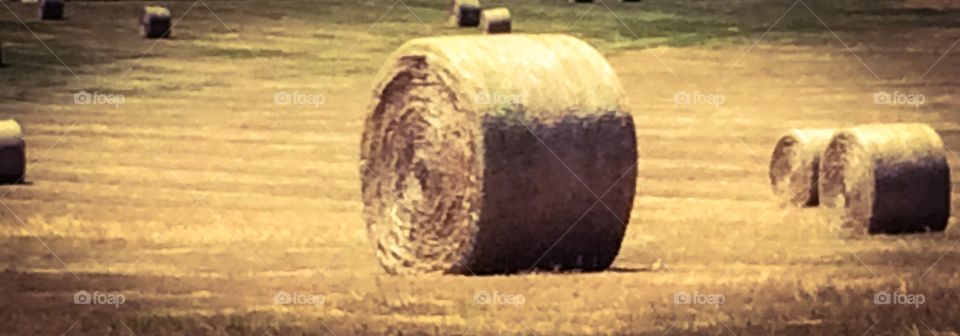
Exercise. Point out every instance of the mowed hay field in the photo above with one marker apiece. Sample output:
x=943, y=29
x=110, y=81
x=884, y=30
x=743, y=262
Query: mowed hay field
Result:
x=198, y=198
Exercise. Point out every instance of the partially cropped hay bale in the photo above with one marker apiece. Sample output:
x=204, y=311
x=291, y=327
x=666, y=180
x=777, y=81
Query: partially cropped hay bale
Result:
x=51, y=9
x=155, y=22
x=495, y=20
x=459, y=158
x=795, y=164
x=889, y=178
x=465, y=13
x=13, y=158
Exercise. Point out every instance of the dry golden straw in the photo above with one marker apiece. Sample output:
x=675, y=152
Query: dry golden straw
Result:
x=795, y=163
x=888, y=178
x=475, y=148
x=495, y=21
x=465, y=13
x=13, y=158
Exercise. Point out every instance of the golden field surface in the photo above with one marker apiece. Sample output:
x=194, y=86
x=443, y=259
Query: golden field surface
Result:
x=199, y=199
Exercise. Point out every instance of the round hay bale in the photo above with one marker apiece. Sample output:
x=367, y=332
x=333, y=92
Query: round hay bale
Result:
x=889, y=178
x=495, y=20
x=13, y=157
x=459, y=158
x=51, y=9
x=465, y=13
x=795, y=165
x=155, y=22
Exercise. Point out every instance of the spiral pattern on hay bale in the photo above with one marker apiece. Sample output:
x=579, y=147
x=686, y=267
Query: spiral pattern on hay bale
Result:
x=13, y=153
x=795, y=165
x=478, y=153
x=888, y=178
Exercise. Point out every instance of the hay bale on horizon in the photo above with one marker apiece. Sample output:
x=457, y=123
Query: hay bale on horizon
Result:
x=155, y=22
x=13, y=158
x=888, y=178
x=795, y=165
x=461, y=156
x=465, y=13
x=495, y=20
x=51, y=9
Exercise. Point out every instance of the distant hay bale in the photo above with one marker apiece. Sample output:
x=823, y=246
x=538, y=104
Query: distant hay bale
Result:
x=795, y=163
x=155, y=22
x=495, y=20
x=889, y=178
x=13, y=158
x=51, y=9
x=475, y=148
x=465, y=13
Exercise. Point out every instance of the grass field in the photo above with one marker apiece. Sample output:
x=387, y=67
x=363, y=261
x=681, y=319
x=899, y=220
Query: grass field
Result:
x=198, y=198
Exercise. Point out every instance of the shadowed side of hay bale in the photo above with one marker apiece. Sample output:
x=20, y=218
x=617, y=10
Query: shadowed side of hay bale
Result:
x=465, y=13
x=486, y=154
x=496, y=21
x=795, y=165
x=51, y=9
x=155, y=22
x=13, y=158
x=888, y=178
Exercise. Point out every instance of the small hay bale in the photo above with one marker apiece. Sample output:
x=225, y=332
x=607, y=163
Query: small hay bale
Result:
x=13, y=158
x=795, y=165
x=495, y=20
x=889, y=178
x=459, y=158
x=51, y=9
x=155, y=22
x=465, y=13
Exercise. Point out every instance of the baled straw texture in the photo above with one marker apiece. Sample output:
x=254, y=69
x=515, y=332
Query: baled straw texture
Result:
x=495, y=20
x=13, y=158
x=51, y=9
x=470, y=150
x=155, y=22
x=465, y=13
x=889, y=178
x=795, y=164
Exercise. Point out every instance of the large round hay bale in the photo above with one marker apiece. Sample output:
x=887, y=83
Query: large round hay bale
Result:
x=795, y=165
x=155, y=22
x=465, y=13
x=51, y=9
x=13, y=157
x=495, y=20
x=889, y=178
x=477, y=149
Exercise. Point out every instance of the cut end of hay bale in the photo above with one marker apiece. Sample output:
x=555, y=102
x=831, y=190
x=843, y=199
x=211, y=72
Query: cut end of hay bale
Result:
x=496, y=21
x=12, y=152
x=888, y=178
x=465, y=13
x=468, y=150
x=51, y=9
x=795, y=163
x=155, y=22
